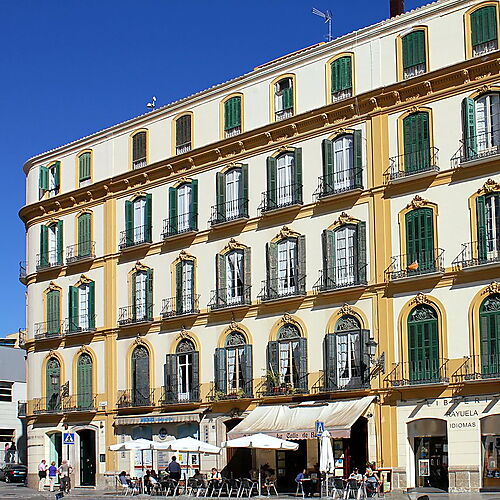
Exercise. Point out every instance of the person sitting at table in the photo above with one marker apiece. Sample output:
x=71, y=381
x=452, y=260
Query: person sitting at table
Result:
x=198, y=475
x=305, y=482
x=154, y=485
x=371, y=482
x=174, y=469
x=214, y=478
x=147, y=483
x=355, y=474
x=124, y=479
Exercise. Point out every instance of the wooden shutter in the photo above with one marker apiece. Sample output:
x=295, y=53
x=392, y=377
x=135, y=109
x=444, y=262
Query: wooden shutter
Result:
x=484, y=25
x=53, y=370
x=416, y=141
x=194, y=205
x=84, y=235
x=53, y=312
x=60, y=242
x=149, y=294
x=328, y=246
x=272, y=268
x=328, y=170
x=271, y=182
x=288, y=97
x=43, y=178
x=247, y=367
x=300, y=355
x=414, y=49
x=84, y=167
x=247, y=269
x=481, y=227
x=297, y=174
x=140, y=377
x=220, y=370
x=272, y=362
x=330, y=362
x=179, y=292
x=361, y=252
x=57, y=173
x=170, y=378
x=243, y=207
x=301, y=259
x=139, y=146
x=232, y=113
x=341, y=70
x=364, y=357
x=358, y=158
x=220, y=188
x=129, y=222
x=420, y=237
x=73, y=304
x=469, y=128
x=228, y=115
x=84, y=381
x=183, y=130
x=44, y=245
x=148, y=218
x=172, y=209
x=195, y=380
x=220, y=276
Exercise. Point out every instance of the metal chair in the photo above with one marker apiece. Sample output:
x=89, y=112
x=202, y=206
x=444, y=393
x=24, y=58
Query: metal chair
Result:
x=270, y=486
x=234, y=487
x=300, y=489
x=247, y=486
x=354, y=489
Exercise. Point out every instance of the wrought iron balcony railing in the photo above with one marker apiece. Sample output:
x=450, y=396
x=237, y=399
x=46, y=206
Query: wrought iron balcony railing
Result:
x=336, y=383
x=140, y=235
x=80, y=402
x=51, y=404
x=229, y=211
x=139, y=163
x=283, y=114
x=342, y=181
x=184, y=223
x=479, y=367
x=484, y=48
x=22, y=272
x=422, y=372
x=416, y=264
x=243, y=391
x=52, y=258
x=276, y=386
x=340, y=95
x=277, y=288
x=281, y=197
x=231, y=132
x=341, y=277
x=130, y=398
x=230, y=297
x=48, y=329
x=414, y=163
x=170, y=395
x=188, y=303
x=180, y=149
x=478, y=147
x=478, y=253
x=81, y=251
x=22, y=409
x=82, y=323
x=137, y=313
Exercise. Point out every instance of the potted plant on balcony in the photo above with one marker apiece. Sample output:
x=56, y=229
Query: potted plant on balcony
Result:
x=273, y=381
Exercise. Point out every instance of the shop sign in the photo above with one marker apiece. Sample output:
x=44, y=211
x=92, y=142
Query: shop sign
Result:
x=423, y=467
x=296, y=435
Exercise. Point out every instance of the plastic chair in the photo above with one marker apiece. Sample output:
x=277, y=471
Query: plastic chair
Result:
x=353, y=489
x=270, y=486
x=247, y=486
x=234, y=487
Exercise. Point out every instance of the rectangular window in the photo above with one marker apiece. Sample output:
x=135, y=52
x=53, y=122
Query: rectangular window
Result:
x=83, y=307
x=283, y=99
x=345, y=265
x=287, y=267
x=140, y=295
x=6, y=391
x=139, y=220
x=185, y=376
x=341, y=74
x=484, y=34
x=184, y=207
x=234, y=277
x=139, y=150
x=183, y=134
x=235, y=379
x=348, y=359
x=288, y=370
x=232, y=117
x=187, y=286
x=414, y=61
x=84, y=169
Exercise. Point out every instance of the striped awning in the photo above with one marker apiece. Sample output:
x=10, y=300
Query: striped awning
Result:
x=161, y=418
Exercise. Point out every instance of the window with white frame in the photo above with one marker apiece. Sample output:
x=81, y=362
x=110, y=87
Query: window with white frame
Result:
x=283, y=99
x=287, y=266
x=345, y=258
x=487, y=110
x=235, y=278
x=284, y=179
x=184, y=206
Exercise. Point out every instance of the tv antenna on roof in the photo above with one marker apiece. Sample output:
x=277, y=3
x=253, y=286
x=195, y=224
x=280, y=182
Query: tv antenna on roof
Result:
x=152, y=105
x=327, y=16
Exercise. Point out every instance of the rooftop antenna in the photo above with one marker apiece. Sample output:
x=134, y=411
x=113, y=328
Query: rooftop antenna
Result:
x=152, y=105
x=327, y=16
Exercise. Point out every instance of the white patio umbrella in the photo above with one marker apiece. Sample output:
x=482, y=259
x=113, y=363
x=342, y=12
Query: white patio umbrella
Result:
x=261, y=442
x=326, y=459
x=134, y=445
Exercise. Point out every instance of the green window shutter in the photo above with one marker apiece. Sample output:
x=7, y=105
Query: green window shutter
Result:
x=140, y=376
x=220, y=277
x=414, y=49
x=84, y=167
x=220, y=185
x=183, y=130
x=364, y=357
x=84, y=235
x=341, y=72
x=330, y=362
x=129, y=222
x=328, y=245
x=481, y=227
x=484, y=25
x=416, y=141
x=148, y=216
x=91, y=305
x=232, y=113
x=139, y=146
x=358, y=158
x=44, y=245
x=288, y=98
x=84, y=381
x=297, y=172
x=420, y=237
x=246, y=362
x=170, y=378
x=300, y=359
x=272, y=363
x=361, y=251
x=243, y=208
x=272, y=268
x=194, y=390
x=228, y=118
x=57, y=174
x=271, y=182
x=172, y=207
x=220, y=370
x=237, y=111
x=469, y=128
x=247, y=269
x=328, y=170
x=179, y=292
x=60, y=242
x=194, y=205
x=73, y=302
x=53, y=391
x=53, y=312
x=149, y=294
x=301, y=258
x=43, y=178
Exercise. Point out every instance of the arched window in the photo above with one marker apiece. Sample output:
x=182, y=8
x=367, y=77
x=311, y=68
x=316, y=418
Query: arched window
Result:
x=488, y=227
x=138, y=221
x=84, y=381
x=484, y=31
x=341, y=75
x=489, y=318
x=183, y=134
x=232, y=116
x=233, y=367
x=416, y=142
x=283, y=99
x=182, y=379
x=49, y=179
x=414, y=56
x=84, y=168
x=287, y=361
x=139, y=150
x=53, y=385
x=232, y=195
x=141, y=394
x=423, y=345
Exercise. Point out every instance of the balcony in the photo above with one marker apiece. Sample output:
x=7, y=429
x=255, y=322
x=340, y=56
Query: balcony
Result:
x=135, y=314
x=477, y=148
x=416, y=264
x=80, y=403
x=48, y=329
x=82, y=324
x=479, y=367
x=180, y=306
x=229, y=211
x=80, y=251
x=139, y=163
x=275, y=386
x=181, y=224
x=280, y=288
x=482, y=49
x=281, y=197
x=47, y=260
x=341, y=384
x=340, y=182
x=22, y=272
x=169, y=396
x=130, y=398
x=47, y=405
x=416, y=163
x=180, y=149
x=423, y=372
x=140, y=235
x=283, y=114
x=230, y=297
x=478, y=253
x=341, y=277
x=246, y=391
x=22, y=409
x=232, y=132
x=341, y=95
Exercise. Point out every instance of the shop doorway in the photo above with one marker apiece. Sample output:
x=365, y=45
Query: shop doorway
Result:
x=352, y=452
x=490, y=438
x=430, y=448
x=87, y=457
x=55, y=448
x=239, y=460
x=289, y=464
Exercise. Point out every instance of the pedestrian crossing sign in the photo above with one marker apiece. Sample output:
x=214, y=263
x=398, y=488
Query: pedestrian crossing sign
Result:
x=69, y=438
x=320, y=428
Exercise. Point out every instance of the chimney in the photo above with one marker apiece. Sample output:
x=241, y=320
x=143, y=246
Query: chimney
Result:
x=397, y=7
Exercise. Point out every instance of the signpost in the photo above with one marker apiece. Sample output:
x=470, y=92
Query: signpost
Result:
x=68, y=438
x=320, y=428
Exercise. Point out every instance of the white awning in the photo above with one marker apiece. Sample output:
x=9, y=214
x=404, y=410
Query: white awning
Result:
x=298, y=422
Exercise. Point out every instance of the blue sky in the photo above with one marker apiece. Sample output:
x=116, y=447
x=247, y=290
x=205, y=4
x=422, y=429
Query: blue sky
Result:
x=70, y=68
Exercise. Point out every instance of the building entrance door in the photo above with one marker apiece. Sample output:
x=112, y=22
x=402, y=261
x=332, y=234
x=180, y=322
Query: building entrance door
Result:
x=55, y=451
x=431, y=462
x=87, y=457
x=289, y=464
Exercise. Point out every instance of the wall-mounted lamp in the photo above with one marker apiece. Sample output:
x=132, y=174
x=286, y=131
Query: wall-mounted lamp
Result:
x=377, y=363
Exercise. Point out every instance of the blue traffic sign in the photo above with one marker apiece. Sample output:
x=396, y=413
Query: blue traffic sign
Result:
x=320, y=428
x=69, y=438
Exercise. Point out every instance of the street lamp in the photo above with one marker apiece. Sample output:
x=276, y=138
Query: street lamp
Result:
x=377, y=363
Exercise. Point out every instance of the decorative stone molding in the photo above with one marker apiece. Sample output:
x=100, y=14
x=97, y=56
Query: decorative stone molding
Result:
x=493, y=287
x=83, y=350
x=288, y=319
x=346, y=309
x=286, y=232
x=139, y=340
x=234, y=326
x=140, y=267
x=489, y=186
x=53, y=286
x=417, y=202
x=185, y=255
x=420, y=298
x=233, y=245
x=343, y=219
x=83, y=281
x=483, y=89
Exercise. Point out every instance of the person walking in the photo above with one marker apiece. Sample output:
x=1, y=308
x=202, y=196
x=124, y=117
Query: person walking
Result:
x=52, y=475
x=64, y=472
x=12, y=453
x=42, y=474
x=6, y=455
